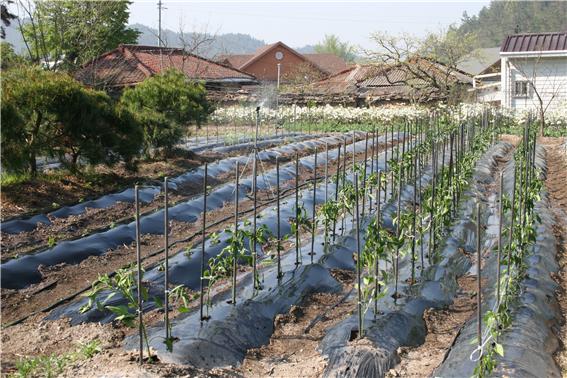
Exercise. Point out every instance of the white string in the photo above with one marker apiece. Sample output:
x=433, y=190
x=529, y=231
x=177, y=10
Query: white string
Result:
x=487, y=335
x=480, y=348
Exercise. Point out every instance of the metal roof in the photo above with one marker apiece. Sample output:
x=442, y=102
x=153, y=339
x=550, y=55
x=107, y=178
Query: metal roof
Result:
x=535, y=42
x=480, y=60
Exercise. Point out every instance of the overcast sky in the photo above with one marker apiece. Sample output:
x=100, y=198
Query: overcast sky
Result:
x=301, y=23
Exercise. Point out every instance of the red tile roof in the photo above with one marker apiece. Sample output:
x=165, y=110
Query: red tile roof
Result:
x=328, y=63
x=130, y=64
x=236, y=60
x=264, y=50
x=535, y=42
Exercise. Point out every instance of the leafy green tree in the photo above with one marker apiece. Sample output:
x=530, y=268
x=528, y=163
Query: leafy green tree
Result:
x=46, y=113
x=501, y=18
x=8, y=58
x=333, y=45
x=164, y=104
x=71, y=33
x=426, y=64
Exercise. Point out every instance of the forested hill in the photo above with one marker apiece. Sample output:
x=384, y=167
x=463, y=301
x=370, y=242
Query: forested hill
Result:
x=501, y=18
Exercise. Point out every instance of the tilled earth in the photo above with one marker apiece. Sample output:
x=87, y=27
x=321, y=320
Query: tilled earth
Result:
x=291, y=352
x=96, y=220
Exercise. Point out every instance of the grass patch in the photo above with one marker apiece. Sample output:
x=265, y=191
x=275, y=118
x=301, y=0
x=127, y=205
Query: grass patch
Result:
x=53, y=365
x=10, y=179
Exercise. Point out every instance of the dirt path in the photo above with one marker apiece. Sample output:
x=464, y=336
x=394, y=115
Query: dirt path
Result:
x=556, y=184
x=443, y=325
x=292, y=351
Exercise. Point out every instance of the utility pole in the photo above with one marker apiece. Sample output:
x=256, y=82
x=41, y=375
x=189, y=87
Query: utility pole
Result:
x=160, y=7
x=278, y=86
x=160, y=44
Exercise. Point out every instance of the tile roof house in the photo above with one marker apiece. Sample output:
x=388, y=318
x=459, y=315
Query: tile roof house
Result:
x=372, y=83
x=534, y=71
x=337, y=89
x=264, y=62
x=128, y=65
x=346, y=81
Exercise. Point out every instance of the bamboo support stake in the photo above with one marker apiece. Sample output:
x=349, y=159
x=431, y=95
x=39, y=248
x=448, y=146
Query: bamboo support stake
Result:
x=297, y=210
x=353, y=150
x=372, y=163
x=478, y=275
x=337, y=189
x=344, y=184
x=364, y=174
x=235, y=256
x=397, y=266
x=326, y=171
x=358, y=261
x=313, y=228
x=139, y=278
x=166, y=258
x=511, y=230
x=279, y=236
x=413, y=231
x=403, y=173
x=386, y=148
x=500, y=221
x=377, y=259
x=204, y=227
x=254, y=223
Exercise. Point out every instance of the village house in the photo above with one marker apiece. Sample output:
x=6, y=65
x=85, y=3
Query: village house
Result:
x=279, y=61
x=128, y=65
x=534, y=71
x=374, y=84
x=421, y=80
x=484, y=66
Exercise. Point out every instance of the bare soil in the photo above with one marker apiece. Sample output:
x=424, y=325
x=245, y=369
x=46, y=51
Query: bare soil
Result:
x=556, y=184
x=36, y=337
x=292, y=350
x=59, y=188
x=61, y=281
x=96, y=220
x=443, y=326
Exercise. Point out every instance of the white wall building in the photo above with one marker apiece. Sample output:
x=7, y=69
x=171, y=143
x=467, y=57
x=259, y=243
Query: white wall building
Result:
x=484, y=66
x=534, y=67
